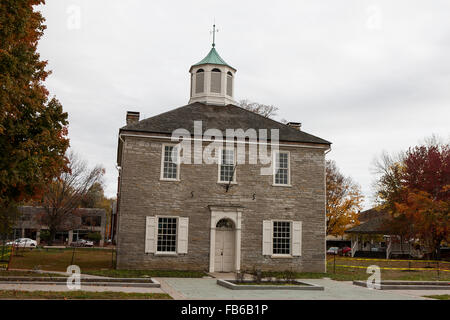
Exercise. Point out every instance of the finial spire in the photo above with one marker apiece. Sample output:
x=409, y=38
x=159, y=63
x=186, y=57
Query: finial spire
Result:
x=214, y=30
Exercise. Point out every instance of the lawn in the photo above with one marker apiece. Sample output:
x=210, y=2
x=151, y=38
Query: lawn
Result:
x=79, y=295
x=99, y=262
x=359, y=273
x=349, y=274
x=439, y=297
x=59, y=260
x=91, y=261
x=16, y=273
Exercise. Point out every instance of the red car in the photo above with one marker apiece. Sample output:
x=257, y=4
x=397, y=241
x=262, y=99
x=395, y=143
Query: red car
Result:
x=346, y=251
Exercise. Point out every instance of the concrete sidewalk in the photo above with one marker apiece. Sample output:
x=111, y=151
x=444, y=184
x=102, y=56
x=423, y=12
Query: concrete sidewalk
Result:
x=334, y=290
x=207, y=288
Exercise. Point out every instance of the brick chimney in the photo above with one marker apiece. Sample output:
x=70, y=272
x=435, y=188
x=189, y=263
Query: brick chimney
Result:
x=132, y=117
x=295, y=125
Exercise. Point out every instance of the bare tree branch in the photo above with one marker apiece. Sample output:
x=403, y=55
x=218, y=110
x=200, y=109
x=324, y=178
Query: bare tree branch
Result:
x=268, y=111
x=64, y=195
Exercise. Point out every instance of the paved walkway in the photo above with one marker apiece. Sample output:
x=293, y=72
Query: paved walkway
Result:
x=207, y=288
x=334, y=290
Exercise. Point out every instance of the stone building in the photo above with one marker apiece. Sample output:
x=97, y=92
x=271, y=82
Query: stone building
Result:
x=177, y=210
x=87, y=220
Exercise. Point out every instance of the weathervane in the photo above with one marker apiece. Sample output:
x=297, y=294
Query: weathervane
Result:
x=214, y=30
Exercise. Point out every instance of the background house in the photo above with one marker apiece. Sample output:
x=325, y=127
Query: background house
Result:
x=87, y=220
x=375, y=238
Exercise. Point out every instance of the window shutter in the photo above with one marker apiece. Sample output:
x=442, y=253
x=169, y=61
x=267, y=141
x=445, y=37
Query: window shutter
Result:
x=267, y=238
x=200, y=83
x=216, y=78
x=150, y=235
x=297, y=238
x=183, y=228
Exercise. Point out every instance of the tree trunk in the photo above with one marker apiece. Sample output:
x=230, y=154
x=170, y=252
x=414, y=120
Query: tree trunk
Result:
x=52, y=236
x=438, y=250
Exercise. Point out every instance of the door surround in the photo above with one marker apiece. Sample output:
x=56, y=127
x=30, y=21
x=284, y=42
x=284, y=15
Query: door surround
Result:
x=234, y=213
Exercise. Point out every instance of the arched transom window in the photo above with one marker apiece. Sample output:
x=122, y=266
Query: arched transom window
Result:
x=225, y=224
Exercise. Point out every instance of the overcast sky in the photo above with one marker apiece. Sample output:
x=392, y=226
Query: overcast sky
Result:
x=366, y=75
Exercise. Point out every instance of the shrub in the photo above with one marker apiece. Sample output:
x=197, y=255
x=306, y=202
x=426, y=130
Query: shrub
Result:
x=256, y=275
x=240, y=276
x=45, y=235
x=289, y=275
x=94, y=236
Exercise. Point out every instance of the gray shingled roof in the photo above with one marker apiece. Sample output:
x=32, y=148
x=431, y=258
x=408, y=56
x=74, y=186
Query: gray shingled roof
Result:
x=218, y=117
x=373, y=226
x=373, y=221
x=371, y=214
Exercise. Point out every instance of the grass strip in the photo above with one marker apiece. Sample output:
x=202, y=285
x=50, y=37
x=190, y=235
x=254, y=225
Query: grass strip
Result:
x=439, y=297
x=147, y=273
x=80, y=295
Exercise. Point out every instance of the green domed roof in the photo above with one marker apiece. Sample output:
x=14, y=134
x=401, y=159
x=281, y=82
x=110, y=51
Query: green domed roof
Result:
x=213, y=58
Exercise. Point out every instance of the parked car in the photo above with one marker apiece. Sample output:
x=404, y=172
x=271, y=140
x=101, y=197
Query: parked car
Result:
x=346, y=251
x=23, y=243
x=341, y=251
x=333, y=250
x=82, y=243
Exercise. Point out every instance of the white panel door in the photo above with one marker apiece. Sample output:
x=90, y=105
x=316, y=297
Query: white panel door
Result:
x=218, y=260
x=224, y=253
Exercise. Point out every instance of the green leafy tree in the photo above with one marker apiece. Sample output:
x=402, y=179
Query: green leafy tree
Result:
x=94, y=236
x=33, y=128
x=45, y=235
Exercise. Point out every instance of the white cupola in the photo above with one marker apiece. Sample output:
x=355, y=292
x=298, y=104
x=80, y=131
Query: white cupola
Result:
x=212, y=80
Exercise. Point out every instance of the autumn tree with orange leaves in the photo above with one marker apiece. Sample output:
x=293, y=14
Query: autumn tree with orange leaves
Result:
x=33, y=128
x=344, y=201
x=420, y=201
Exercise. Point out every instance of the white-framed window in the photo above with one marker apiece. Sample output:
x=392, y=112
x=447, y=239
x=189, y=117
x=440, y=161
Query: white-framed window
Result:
x=170, y=168
x=167, y=235
x=227, y=165
x=282, y=168
x=282, y=237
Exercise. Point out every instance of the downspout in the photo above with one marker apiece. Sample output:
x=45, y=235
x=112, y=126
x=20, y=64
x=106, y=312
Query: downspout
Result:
x=116, y=218
x=325, y=183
